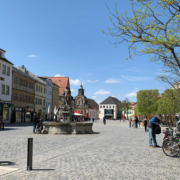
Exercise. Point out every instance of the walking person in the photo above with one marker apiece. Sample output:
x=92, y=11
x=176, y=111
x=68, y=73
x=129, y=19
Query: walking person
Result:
x=35, y=121
x=130, y=123
x=152, y=136
x=93, y=120
x=104, y=120
x=139, y=123
x=145, y=123
x=136, y=121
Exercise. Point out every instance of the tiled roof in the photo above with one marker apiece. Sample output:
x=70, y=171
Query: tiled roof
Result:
x=111, y=100
x=92, y=104
x=54, y=84
x=4, y=59
x=62, y=82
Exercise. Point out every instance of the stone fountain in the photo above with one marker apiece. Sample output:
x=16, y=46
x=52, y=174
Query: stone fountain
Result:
x=67, y=126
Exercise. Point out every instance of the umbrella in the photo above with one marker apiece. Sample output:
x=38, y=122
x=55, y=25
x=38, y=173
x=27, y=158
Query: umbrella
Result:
x=77, y=114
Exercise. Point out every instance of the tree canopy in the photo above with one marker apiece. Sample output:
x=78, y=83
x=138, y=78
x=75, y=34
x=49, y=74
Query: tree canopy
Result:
x=147, y=102
x=169, y=103
x=152, y=28
x=125, y=105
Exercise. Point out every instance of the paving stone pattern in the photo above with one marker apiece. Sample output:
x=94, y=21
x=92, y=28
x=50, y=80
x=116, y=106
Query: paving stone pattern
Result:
x=115, y=151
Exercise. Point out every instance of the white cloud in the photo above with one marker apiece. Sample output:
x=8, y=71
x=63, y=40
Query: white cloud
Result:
x=93, y=97
x=112, y=81
x=131, y=95
x=90, y=81
x=72, y=90
x=75, y=82
x=58, y=75
x=102, y=92
x=32, y=55
x=133, y=78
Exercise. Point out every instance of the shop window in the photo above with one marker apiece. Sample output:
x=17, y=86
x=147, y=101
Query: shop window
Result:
x=4, y=69
x=6, y=113
x=8, y=71
x=2, y=89
x=7, y=90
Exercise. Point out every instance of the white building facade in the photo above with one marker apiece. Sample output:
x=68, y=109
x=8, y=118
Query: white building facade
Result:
x=109, y=109
x=5, y=87
x=49, y=93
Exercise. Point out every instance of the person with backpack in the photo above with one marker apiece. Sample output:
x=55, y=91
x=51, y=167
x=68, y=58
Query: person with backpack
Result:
x=153, y=129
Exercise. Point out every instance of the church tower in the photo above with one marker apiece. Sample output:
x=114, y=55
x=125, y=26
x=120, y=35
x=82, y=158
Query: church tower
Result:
x=81, y=91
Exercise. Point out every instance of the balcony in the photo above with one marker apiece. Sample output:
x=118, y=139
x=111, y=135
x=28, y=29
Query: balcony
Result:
x=23, y=88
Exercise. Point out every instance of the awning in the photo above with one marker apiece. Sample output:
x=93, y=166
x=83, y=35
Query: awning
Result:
x=77, y=114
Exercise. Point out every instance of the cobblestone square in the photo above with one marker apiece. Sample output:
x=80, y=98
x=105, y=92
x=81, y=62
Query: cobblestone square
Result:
x=114, y=151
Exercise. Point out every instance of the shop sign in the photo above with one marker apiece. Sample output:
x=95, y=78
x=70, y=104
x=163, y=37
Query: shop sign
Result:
x=30, y=109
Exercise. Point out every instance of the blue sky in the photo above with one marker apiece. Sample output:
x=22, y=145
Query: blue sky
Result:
x=57, y=37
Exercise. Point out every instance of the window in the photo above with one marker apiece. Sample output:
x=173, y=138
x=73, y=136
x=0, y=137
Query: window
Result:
x=8, y=71
x=103, y=106
x=41, y=88
x=100, y=106
x=36, y=100
x=25, y=98
x=44, y=91
x=3, y=69
x=106, y=106
x=7, y=90
x=109, y=106
x=19, y=97
x=0, y=67
x=20, y=81
x=113, y=106
x=2, y=89
x=0, y=54
x=29, y=99
x=16, y=80
x=15, y=96
x=26, y=84
x=44, y=102
x=36, y=87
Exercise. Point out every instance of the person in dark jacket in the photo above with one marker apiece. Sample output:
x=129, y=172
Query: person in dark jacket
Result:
x=145, y=123
x=152, y=136
x=136, y=121
x=35, y=121
x=104, y=120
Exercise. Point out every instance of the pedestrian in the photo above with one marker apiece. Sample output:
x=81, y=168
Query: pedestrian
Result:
x=145, y=123
x=35, y=121
x=136, y=121
x=93, y=120
x=155, y=121
x=104, y=120
x=130, y=123
x=139, y=123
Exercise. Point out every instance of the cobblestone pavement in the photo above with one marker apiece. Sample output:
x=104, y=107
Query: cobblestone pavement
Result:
x=115, y=151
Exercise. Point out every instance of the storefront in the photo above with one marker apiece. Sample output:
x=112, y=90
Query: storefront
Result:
x=5, y=111
x=19, y=111
x=29, y=113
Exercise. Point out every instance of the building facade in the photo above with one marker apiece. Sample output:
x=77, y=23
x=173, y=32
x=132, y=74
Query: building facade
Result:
x=131, y=111
x=87, y=107
x=6, y=87
x=55, y=97
x=40, y=98
x=109, y=108
x=49, y=89
x=23, y=95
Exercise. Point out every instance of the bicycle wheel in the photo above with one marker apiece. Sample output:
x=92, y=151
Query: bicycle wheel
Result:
x=171, y=148
x=175, y=139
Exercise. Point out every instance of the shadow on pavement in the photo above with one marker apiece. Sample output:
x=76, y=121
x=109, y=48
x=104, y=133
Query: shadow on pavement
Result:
x=43, y=169
x=6, y=163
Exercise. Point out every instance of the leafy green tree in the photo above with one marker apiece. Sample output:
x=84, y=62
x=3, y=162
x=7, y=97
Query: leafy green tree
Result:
x=169, y=103
x=147, y=102
x=152, y=28
x=124, y=106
